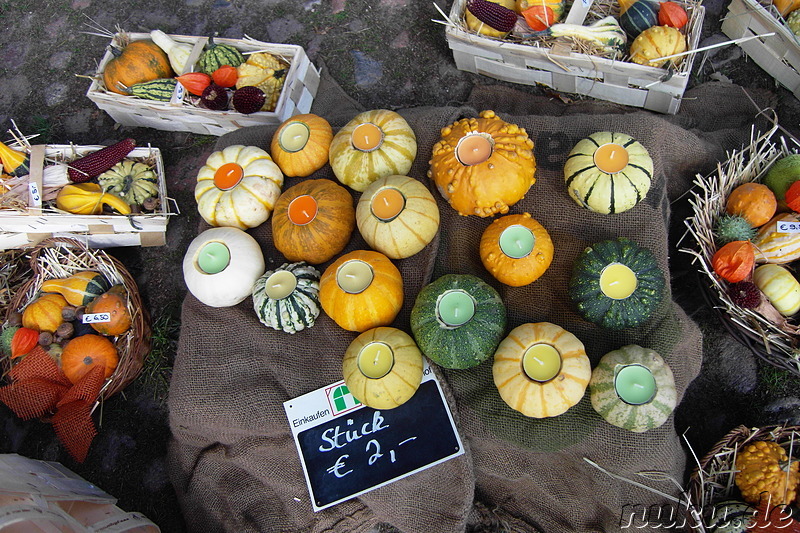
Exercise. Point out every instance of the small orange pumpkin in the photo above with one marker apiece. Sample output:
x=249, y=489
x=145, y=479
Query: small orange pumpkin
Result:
x=302, y=161
x=44, y=313
x=734, y=261
x=516, y=270
x=115, y=303
x=83, y=353
x=754, y=202
x=138, y=62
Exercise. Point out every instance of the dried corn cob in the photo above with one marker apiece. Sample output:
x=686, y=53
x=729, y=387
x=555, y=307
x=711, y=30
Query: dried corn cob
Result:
x=498, y=17
x=94, y=164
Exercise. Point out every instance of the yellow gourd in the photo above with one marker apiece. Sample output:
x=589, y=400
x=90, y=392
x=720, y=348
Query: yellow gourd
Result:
x=44, y=313
x=265, y=71
x=764, y=470
x=89, y=199
x=15, y=163
x=780, y=287
x=785, y=7
x=657, y=42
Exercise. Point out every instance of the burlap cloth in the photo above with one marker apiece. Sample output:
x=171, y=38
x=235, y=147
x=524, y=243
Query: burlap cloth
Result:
x=232, y=458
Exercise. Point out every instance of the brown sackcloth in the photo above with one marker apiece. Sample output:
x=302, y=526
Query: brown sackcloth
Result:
x=232, y=457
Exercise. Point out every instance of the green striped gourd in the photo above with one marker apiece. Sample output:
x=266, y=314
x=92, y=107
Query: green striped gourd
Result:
x=298, y=310
x=641, y=15
x=470, y=343
x=731, y=516
x=772, y=246
x=132, y=181
x=780, y=287
x=608, y=404
x=78, y=289
x=216, y=55
x=600, y=191
x=160, y=89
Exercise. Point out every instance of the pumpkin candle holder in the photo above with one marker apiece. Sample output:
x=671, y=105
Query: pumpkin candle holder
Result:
x=516, y=249
x=287, y=299
x=300, y=145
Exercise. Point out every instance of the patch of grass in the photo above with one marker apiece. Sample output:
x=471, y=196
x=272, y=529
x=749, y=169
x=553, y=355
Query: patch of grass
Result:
x=776, y=382
x=157, y=368
x=43, y=127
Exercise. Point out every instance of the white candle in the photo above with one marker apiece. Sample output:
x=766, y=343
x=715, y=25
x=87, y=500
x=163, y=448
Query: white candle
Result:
x=280, y=284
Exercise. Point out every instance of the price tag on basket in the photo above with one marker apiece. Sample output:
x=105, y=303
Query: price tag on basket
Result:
x=36, y=198
x=578, y=11
x=787, y=226
x=96, y=318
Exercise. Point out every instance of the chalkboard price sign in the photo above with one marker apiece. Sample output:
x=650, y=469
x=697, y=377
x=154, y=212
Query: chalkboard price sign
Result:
x=347, y=449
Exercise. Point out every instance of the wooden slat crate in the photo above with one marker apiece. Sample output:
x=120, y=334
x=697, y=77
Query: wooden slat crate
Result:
x=297, y=95
x=566, y=71
x=23, y=228
x=778, y=54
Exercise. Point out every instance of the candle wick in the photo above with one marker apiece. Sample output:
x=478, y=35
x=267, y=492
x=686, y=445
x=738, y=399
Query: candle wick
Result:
x=366, y=141
x=375, y=362
x=349, y=275
x=455, y=312
x=385, y=201
x=306, y=213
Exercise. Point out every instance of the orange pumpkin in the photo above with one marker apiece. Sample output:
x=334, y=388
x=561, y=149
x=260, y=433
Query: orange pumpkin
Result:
x=44, y=313
x=376, y=305
x=83, y=353
x=114, y=302
x=499, y=257
x=302, y=161
x=754, y=202
x=138, y=62
x=322, y=230
x=734, y=261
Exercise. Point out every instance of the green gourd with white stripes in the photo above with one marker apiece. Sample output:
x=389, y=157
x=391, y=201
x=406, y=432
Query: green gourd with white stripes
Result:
x=641, y=15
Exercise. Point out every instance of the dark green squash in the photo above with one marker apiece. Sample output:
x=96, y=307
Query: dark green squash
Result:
x=642, y=14
x=216, y=55
x=593, y=304
x=466, y=345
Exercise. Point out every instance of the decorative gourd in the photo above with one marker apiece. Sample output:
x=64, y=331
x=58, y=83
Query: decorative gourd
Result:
x=780, y=287
x=225, y=76
x=403, y=376
x=238, y=187
x=23, y=341
x=605, y=34
x=672, y=14
x=755, y=202
x=301, y=159
x=113, y=303
x=779, y=247
x=539, y=17
x=476, y=25
x=734, y=261
x=286, y=302
x=195, y=82
x=221, y=266
x=15, y=162
x=641, y=15
x=78, y=289
x=376, y=305
x=160, y=90
x=89, y=199
x=731, y=516
x=406, y=233
x=138, y=62
x=516, y=269
x=785, y=7
x=131, y=180
x=372, y=145
x=609, y=396
x=265, y=71
x=781, y=174
x=478, y=186
x=474, y=320
x=44, y=313
x=616, y=284
x=324, y=233
x=607, y=188
x=764, y=466
x=178, y=53
x=82, y=354
x=217, y=54
x=541, y=369
x=657, y=42
x=557, y=6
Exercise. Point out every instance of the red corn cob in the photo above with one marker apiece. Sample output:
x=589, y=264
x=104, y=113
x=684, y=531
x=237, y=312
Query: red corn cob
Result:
x=92, y=165
x=498, y=17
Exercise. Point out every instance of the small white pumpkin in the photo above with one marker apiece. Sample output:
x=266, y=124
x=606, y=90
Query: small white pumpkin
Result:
x=221, y=266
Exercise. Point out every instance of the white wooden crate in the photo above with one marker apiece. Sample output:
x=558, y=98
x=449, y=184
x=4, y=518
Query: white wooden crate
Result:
x=778, y=54
x=296, y=97
x=23, y=228
x=616, y=81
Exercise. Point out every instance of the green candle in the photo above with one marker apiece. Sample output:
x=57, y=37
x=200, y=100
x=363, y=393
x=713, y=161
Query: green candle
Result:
x=213, y=258
x=516, y=241
x=635, y=384
x=455, y=307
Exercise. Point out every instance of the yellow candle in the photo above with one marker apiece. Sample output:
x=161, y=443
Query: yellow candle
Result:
x=611, y=158
x=375, y=360
x=473, y=149
x=387, y=204
x=302, y=210
x=354, y=276
x=280, y=284
x=294, y=136
x=366, y=137
x=541, y=362
x=617, y=281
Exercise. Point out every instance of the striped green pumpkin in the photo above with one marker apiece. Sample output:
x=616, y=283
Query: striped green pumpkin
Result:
x=216, y=55
x=641, y=15
x=730, y=516
x=606, y=193
x=297, y=311
x=466, y=345
x=636, y=418
x=160, y=89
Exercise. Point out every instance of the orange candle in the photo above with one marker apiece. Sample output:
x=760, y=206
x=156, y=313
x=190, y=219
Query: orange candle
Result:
x=387, y=204
x=611, y=158
x=473, y=149
x=228, y=176
x=302, y=210
x=366, y=137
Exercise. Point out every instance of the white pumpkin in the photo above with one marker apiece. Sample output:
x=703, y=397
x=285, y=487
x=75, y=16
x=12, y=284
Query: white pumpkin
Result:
x=221, y=266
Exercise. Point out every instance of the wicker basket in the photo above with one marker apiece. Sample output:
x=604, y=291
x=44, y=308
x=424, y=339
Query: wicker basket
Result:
x=768, y=341
x=14, y=272
x=712, y=481
x=61, y=257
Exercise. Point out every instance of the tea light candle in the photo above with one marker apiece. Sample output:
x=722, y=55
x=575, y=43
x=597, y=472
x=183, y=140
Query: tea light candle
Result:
x=635, y=384
x=455, y=308
x=366, y=137
x=611, y=158
x=541, y=362
x=517, y=241
x=294, y=136
x=213, y=258
x=302, y=210
x=354, y=276
x=617, y=281
x=387, y=204
x=473, y=149
x=375, y=360
x=280, y=284
x=228, y=176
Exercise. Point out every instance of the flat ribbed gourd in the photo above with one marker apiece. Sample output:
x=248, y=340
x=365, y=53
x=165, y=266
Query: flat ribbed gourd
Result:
x=608, y=172
x=287, y=298
x=616, y=284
